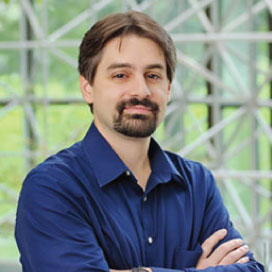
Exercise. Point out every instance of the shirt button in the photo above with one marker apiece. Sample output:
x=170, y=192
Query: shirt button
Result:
x=128, y=173
x=150, y=240
x=145, y=198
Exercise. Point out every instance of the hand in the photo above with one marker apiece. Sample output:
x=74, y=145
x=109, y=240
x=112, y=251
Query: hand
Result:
x=229, y=252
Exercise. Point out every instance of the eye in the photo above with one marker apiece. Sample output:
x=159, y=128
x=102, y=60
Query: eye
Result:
x=119, y=75
x=153, y=76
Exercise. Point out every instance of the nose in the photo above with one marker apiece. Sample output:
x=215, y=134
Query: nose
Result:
x=140, y=87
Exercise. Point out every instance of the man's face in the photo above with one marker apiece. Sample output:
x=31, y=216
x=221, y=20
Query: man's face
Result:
x=130, y=90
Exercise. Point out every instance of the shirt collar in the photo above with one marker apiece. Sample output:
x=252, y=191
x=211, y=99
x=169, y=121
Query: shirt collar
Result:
x=162, y=166
x=107, y=165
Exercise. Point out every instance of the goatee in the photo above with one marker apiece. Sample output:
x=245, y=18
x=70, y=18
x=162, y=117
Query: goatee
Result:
x=136, y=125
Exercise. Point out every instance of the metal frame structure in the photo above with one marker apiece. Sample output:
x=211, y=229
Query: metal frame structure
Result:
x=227, y=71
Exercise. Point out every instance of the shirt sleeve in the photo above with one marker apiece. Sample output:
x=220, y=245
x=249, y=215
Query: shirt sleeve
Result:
x=227, y=268
x=250, y=267
x=51, y=232
x=214, y=216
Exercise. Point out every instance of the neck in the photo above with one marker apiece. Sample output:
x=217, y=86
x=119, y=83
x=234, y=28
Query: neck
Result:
x=132, y=151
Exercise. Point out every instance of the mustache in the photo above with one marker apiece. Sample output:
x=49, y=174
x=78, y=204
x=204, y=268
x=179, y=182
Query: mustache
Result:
x=135, y=102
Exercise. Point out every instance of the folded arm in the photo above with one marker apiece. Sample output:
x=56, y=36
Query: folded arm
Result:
x=53, y=235
x=227, y=254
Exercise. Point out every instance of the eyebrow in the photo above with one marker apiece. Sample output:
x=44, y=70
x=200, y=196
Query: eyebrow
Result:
x=128, y=65
x=119, y=65
x=155, y=66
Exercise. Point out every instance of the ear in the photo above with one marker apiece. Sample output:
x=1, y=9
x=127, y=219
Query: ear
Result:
x=169, y=92
x=86, y=89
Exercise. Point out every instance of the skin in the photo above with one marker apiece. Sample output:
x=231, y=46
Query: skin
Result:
x=230, y=252
x=137, y=69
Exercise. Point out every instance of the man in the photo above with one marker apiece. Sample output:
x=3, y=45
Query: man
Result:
x=116, y=200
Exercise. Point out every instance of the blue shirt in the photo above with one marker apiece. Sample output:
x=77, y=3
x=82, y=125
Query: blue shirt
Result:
x=82, y=210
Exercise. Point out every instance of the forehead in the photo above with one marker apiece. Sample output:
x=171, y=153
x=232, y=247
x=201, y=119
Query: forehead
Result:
x=132, y=49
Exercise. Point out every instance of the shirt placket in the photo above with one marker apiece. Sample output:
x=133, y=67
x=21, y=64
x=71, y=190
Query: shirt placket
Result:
x=148, y=223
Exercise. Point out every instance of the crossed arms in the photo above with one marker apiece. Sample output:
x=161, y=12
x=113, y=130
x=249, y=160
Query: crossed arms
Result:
x=228, y=253
x=54, y=236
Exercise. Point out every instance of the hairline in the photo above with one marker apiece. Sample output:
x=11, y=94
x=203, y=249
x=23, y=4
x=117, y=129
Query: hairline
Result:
x=99, y=56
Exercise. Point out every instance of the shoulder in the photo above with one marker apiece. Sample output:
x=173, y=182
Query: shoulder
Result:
x=62, y=159
x=61, y=182
x=61, y=169
x=54, y=187
x=194, y=173
x=189, y=166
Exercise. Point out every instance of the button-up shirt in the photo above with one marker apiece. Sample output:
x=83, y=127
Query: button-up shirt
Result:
x=82, y=210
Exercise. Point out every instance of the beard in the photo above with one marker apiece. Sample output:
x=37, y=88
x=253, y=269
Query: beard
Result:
x=136, y=125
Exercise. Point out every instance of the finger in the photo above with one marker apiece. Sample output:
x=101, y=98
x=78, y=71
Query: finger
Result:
x=212, y=241
x=223, y=250
x=235, y=255
x=243, y=260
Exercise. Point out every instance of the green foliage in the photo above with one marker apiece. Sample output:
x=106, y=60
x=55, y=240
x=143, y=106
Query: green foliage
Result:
x=59, y=126
x=8, y=249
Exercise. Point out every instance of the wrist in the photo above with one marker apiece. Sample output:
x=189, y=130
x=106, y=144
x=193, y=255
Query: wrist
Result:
x=141, y=269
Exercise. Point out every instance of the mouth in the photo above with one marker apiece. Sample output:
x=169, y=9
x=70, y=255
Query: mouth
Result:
x=137, y=109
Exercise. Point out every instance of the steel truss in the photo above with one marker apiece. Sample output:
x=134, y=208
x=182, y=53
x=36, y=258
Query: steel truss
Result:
x=220, y=70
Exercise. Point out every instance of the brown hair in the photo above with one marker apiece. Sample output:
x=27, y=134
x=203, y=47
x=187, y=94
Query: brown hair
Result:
x=120, y=24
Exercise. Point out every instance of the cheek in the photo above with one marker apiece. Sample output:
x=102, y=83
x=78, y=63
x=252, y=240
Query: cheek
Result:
x=163, y=97
x=162, y=102
x=163, y=106
x=163, y=110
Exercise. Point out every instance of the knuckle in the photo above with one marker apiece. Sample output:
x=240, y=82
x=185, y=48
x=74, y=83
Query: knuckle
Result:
x=243, y=260
x=231, y=245
x=235, y=255
x=234, y=252
x=243, y=249
x=225, y=247
x=237, y=242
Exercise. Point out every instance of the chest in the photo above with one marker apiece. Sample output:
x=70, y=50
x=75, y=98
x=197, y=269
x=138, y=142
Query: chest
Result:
x=135, y=228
